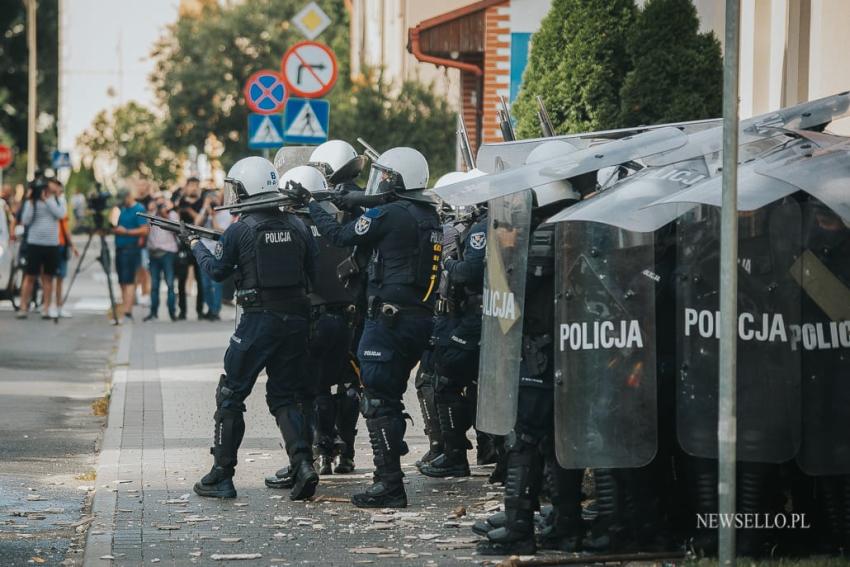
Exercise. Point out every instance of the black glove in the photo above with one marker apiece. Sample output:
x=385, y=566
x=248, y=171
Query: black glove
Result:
x=185, y=236
x=299, y=195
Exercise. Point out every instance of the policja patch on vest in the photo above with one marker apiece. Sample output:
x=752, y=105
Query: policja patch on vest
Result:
x=478, y=240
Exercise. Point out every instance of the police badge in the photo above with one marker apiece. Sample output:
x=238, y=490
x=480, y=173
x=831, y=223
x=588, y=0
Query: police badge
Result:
x=478, y=240
x=219, y=250
x=362, y=225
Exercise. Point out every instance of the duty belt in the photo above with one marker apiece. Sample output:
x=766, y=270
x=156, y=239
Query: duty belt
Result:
x=377, y=308
x=346, y=310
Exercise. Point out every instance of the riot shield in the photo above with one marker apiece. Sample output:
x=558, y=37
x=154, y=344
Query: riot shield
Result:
x=478, y=190
x=823, y=340
x=508, y=240
x=288, y=157
x=605, y=369
x=768, y=377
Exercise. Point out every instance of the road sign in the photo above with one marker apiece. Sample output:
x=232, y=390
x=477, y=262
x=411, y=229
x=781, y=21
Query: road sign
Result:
x=311, y=21
x=264, y=92
x=61, y=160
x=309, y=69
x=6, y=156
x=306, y=121
x=264, y=131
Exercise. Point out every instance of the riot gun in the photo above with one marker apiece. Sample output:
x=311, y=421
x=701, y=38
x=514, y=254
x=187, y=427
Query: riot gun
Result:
x=463, y=140
x=175, y=226
x=370, y=152
x=505, y=124
x=273, y=201
x=543, y=116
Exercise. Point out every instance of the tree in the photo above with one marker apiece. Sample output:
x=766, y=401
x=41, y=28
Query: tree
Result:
x=132, y=136
x=676, y=72
x=577, y=63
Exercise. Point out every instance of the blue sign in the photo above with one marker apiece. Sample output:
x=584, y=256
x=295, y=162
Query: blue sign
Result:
x=264, y=92
x=264, y=131
x=61, y=160
x=306, y=121
x=520, y=45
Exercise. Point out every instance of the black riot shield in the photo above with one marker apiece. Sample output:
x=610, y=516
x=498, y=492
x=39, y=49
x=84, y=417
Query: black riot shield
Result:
x=768, y=377
x=508, y=238
x=605, y=378
x=823, y=341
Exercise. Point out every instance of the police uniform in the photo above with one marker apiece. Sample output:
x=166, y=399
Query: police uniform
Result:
x=530, y=445
x=273, y=258
x=404, y=237
x=457, y=334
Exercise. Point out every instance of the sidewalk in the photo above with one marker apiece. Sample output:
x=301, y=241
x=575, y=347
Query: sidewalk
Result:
x=157, y=445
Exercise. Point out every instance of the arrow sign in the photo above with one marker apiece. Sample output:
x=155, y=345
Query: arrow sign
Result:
x=309, y=69
x=264, y=92
x=306, y=121
x=264, y=131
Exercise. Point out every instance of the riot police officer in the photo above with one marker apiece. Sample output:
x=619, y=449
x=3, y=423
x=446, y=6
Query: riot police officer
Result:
x=273, y=257
x=457, y=332
x=405, y=237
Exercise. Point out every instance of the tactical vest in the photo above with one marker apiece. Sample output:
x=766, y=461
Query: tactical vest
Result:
x=454, y=236
x=540, y=283
x=327, y=289
x=414, y=263
x=276, y=267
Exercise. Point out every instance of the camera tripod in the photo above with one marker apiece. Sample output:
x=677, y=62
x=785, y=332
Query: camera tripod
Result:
x=104, y=259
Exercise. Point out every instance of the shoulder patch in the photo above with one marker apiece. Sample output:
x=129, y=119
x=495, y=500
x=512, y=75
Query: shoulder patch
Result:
x=373, y=213
x=219, y=250
x=362, y=225
x=478, y=240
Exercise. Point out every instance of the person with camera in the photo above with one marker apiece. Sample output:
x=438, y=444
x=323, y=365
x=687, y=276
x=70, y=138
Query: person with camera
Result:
x=189, y=204
x=162, y=249
x=41, y=213
x=130, y=230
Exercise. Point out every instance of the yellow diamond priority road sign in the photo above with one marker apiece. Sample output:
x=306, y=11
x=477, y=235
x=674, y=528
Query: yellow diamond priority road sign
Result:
x=311, y=21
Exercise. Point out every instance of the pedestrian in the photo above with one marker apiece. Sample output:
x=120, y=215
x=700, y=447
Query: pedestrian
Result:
x=273, y=256
x=405, y=236
x=130, y=231
x=40, y=215
x=66, y=249
x=144, y=197
x=189, y=204
x=162, y=249
x=216, y=220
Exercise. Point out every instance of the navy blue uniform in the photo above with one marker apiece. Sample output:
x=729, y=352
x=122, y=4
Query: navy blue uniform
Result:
x=273, y=258
x=402, y=279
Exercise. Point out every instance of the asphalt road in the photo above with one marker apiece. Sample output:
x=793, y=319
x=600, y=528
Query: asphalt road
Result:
x=50, y=373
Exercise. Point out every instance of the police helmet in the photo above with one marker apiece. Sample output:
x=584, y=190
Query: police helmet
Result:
x=561, y=189
x=249, y=177
x=337, y=160
x=307, y=176
x=449, y=178
x=403, y=171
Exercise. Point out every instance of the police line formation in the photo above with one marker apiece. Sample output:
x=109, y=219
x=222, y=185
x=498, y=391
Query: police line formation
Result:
x=562, y=298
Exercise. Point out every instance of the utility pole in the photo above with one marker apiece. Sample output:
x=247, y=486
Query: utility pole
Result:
x=32, y=75
x=727, y=431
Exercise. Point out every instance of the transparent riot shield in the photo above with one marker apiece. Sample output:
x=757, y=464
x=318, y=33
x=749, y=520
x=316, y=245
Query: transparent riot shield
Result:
x=823, y=341
x=768, y=377
x=508, y=239
x=288, y=157
x=605, y=369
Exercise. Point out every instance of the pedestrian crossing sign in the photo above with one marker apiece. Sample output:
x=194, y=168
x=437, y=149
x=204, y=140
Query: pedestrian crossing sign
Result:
x=265, y=131
x=306, y=121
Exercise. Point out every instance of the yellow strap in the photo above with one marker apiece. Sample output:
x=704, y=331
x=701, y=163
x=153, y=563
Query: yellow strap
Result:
x=825, y=289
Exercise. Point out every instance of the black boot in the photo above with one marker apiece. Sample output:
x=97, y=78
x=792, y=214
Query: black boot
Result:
x=485, y=449
x=325, y=432
x=608, y=533
x=522, y=485
x=483, y=527
x=283, y=478
x=454, y=422
x=386, y=435
x=427, y=403
x=229, y=430
x=498, y=474
x=563, y=529
x=347, y=412
x=296, y=424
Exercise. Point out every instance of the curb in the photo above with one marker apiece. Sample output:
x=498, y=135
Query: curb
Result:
x=101, y=531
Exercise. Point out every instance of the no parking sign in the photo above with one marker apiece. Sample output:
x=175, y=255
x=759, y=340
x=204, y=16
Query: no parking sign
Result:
x=264, y=92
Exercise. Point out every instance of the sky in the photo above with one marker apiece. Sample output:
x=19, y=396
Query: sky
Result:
x=105, y=47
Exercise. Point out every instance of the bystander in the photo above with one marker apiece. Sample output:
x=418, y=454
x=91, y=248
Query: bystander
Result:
x=162, y=249
x=130, y=231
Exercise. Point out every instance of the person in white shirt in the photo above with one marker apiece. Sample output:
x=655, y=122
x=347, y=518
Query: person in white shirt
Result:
x=162, y=249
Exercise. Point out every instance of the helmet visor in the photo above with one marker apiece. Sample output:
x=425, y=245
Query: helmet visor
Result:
x=233, y=192
x=381, y=180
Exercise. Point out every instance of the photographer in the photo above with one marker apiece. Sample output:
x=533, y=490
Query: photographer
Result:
x=189, y=204
x=162, y=248
x=42, y=211
x=130, y=232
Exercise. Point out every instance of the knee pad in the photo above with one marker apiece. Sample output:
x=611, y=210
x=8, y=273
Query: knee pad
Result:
x=521, y=442
x=423, y=379
x=225, y=397
x=372, y=407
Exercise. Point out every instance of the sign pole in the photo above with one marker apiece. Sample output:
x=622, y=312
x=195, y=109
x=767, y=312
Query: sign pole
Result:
x=31, y=98
x=727, y=392
x=266, y=153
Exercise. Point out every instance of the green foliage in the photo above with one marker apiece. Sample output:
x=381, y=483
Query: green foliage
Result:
x=577, y=63
x=132, y=135
x=410, y=115
x=14, y=83
x=82, y=180
x=676, y=72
